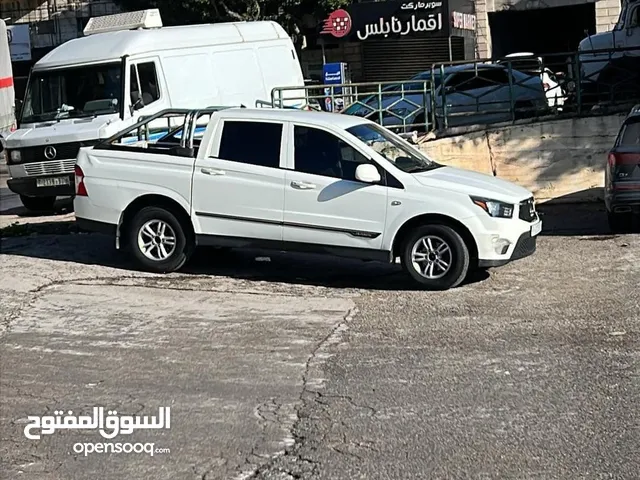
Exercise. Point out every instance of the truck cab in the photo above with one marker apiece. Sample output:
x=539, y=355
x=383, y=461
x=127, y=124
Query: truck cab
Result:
x=610, y=61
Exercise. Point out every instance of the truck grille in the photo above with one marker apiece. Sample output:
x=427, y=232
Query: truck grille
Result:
x=63, y=151
x=50, y=167
x=527, y=211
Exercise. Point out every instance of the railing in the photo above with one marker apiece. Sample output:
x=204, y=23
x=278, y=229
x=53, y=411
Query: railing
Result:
x=398, y=105
x=488, y=91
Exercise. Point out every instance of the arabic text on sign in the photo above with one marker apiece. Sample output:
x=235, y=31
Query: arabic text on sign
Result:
x=394, y=25
x=109, y=426
x=421, y=5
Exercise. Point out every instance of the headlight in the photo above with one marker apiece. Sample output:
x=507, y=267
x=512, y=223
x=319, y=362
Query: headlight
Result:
x=15, y=156
x=494, y=208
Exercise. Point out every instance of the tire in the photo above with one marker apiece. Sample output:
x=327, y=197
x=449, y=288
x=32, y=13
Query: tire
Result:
x=455, y=254
x=38, y=204
x=619, y=223
x=176, y=252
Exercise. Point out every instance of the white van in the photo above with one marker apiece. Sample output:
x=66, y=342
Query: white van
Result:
x=127, y=67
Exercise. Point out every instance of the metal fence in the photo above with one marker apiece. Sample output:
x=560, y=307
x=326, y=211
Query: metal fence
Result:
x=487, y=91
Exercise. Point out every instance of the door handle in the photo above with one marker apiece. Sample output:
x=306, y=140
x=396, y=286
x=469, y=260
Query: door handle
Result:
x=303, y=185
x=212, y=171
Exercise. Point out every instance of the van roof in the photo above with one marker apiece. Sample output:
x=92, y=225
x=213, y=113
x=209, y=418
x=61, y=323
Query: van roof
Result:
x=112, y=46
x=323, y=119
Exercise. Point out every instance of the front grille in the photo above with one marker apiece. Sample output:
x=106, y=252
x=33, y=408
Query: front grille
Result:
x=525, y=246
x=54, y=167
x=64, y=151
x=527, y=211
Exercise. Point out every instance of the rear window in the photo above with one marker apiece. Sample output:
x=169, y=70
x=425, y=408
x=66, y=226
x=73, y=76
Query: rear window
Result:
x=630, y=134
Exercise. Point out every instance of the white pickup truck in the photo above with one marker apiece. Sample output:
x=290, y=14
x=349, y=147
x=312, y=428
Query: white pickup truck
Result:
x=302, y=181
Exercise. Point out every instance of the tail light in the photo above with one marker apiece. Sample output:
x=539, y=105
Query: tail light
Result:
x=616, y=159
x=81, y=190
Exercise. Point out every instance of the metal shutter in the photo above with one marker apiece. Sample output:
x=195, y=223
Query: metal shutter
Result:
x=401, y=59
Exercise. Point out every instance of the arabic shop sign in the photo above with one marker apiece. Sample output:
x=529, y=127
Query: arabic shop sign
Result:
x=380, y=20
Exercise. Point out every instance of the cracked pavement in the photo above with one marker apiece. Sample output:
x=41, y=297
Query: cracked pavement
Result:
x=311, y=367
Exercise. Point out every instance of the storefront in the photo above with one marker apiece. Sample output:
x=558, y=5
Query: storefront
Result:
x=396, y=40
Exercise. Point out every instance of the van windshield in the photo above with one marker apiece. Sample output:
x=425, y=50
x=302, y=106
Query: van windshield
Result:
x=73, y=93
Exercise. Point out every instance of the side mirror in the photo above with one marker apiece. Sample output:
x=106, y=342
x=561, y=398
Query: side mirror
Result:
x=367, y=173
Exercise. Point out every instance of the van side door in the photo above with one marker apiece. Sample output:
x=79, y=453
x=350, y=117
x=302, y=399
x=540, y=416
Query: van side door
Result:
x=238, y=182
x=146, y=92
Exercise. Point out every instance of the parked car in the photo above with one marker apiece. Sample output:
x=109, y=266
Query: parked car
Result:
x=470, y=94
x=622, y=175
x=527, y=62
x=297, y=180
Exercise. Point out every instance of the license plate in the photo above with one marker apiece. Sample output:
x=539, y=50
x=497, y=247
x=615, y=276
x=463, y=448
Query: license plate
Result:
x=536, y=229
x=52, y=182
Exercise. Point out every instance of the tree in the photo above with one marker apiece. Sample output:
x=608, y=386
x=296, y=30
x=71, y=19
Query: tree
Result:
x=293, y=15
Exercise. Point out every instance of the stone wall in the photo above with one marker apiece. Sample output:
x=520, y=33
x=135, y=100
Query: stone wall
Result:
x=607, y=13
x=560, y=160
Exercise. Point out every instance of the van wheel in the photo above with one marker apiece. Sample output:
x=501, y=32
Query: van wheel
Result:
x=38, y=204
x=157, y=240
x=436, y=257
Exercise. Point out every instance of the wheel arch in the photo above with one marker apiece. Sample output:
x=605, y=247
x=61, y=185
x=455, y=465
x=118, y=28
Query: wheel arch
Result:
x=153, y=200
x=434, y=219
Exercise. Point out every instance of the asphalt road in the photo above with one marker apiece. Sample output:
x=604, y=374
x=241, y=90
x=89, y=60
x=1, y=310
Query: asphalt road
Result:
x=280, y=366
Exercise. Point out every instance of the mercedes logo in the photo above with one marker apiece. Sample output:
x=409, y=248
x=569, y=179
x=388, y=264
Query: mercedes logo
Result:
x=50, y=152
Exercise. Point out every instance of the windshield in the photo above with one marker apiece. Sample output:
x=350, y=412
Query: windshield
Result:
x=392, y=148
x=73, y=93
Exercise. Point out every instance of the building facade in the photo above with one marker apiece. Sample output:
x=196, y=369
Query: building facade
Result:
x=494, y=28
x=553, y=26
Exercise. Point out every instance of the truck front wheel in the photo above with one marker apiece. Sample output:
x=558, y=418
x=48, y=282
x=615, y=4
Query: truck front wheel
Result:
x=38, y=204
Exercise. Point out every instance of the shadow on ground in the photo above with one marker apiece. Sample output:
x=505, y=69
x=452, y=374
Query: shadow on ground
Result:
x=61, y=207
x=265, y=266
x=577, y=219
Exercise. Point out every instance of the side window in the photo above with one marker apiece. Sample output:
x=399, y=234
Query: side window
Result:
x=144, y=84
x=635, y=18
x=321, y=153
x=255, y=143
x=630, y=136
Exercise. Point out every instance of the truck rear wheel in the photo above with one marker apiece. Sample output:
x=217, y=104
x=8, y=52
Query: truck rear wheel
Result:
x=38, y=204
x=157, y=240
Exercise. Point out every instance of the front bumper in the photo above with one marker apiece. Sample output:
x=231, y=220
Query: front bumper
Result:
x=525, y=246
x=27, y=186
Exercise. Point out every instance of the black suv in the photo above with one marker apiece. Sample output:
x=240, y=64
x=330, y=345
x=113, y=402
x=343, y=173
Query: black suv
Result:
x=622, y=176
